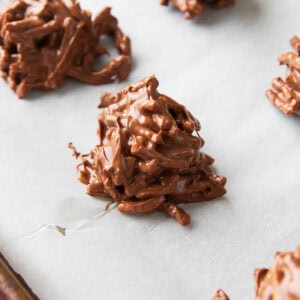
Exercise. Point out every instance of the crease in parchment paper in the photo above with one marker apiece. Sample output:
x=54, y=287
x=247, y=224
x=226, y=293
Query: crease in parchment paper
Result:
x=78, y=225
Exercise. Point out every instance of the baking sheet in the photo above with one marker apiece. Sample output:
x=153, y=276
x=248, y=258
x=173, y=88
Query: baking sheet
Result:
x=219, y=66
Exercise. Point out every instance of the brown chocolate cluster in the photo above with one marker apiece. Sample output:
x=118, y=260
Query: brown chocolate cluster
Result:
x=147, y=158
x=44, y=41
x=192, y=8
x=12, y=285
x=285, y=94
x=282, y=280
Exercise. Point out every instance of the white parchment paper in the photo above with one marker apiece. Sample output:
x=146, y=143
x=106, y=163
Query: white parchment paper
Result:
x=219, y=66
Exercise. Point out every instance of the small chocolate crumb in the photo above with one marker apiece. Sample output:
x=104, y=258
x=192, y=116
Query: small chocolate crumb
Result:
x=220, y=295
x=73, y=149
x=61, y=230
x=192, y=8
x=285, y=94
x=148, y=158
x=44, y=42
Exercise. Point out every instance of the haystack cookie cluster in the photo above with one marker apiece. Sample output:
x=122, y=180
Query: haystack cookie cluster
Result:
x=149, y=156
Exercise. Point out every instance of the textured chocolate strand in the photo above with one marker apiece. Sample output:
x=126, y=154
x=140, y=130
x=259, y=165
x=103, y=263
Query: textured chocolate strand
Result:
x=12, y=285
x=285, y=93
x=281, y=280
x=148, y=157
x=44, y=42
x=295, y=42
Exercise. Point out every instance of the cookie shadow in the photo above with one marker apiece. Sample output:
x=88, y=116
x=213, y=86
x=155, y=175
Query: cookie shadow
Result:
x=243, y=11
x=59, y=92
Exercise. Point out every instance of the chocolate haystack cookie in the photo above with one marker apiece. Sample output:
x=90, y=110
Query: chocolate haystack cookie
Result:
x=282, y=280
x=220, y=295
x=147, y=158
x=12, y=285
x=192, y=8
x=44, y=41
x=286, y=93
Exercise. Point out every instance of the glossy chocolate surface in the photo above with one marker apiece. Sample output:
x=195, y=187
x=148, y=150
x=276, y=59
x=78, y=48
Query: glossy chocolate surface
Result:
x=148, y=157
x=42, y=42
